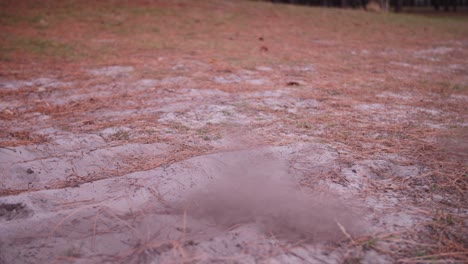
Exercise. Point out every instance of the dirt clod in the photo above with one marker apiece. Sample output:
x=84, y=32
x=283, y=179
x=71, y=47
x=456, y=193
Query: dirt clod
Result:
x=9, y=212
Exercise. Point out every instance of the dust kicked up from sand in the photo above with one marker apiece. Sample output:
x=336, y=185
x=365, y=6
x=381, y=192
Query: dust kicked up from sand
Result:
x=262, y=190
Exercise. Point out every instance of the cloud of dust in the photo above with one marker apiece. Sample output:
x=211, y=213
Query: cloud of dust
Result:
x=260, y=189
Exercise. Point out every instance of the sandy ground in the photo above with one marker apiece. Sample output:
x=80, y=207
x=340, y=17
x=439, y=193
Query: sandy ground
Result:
x=316, y=146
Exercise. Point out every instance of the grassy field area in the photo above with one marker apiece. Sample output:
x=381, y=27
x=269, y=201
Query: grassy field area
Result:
x=80, y=31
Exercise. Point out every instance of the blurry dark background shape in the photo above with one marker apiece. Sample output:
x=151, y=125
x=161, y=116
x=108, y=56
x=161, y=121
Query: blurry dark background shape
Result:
x=396, y=5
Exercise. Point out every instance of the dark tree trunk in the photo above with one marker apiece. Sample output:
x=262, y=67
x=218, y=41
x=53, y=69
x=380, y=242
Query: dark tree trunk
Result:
x=446, y=5
x=398, y=6
x=436, y=5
